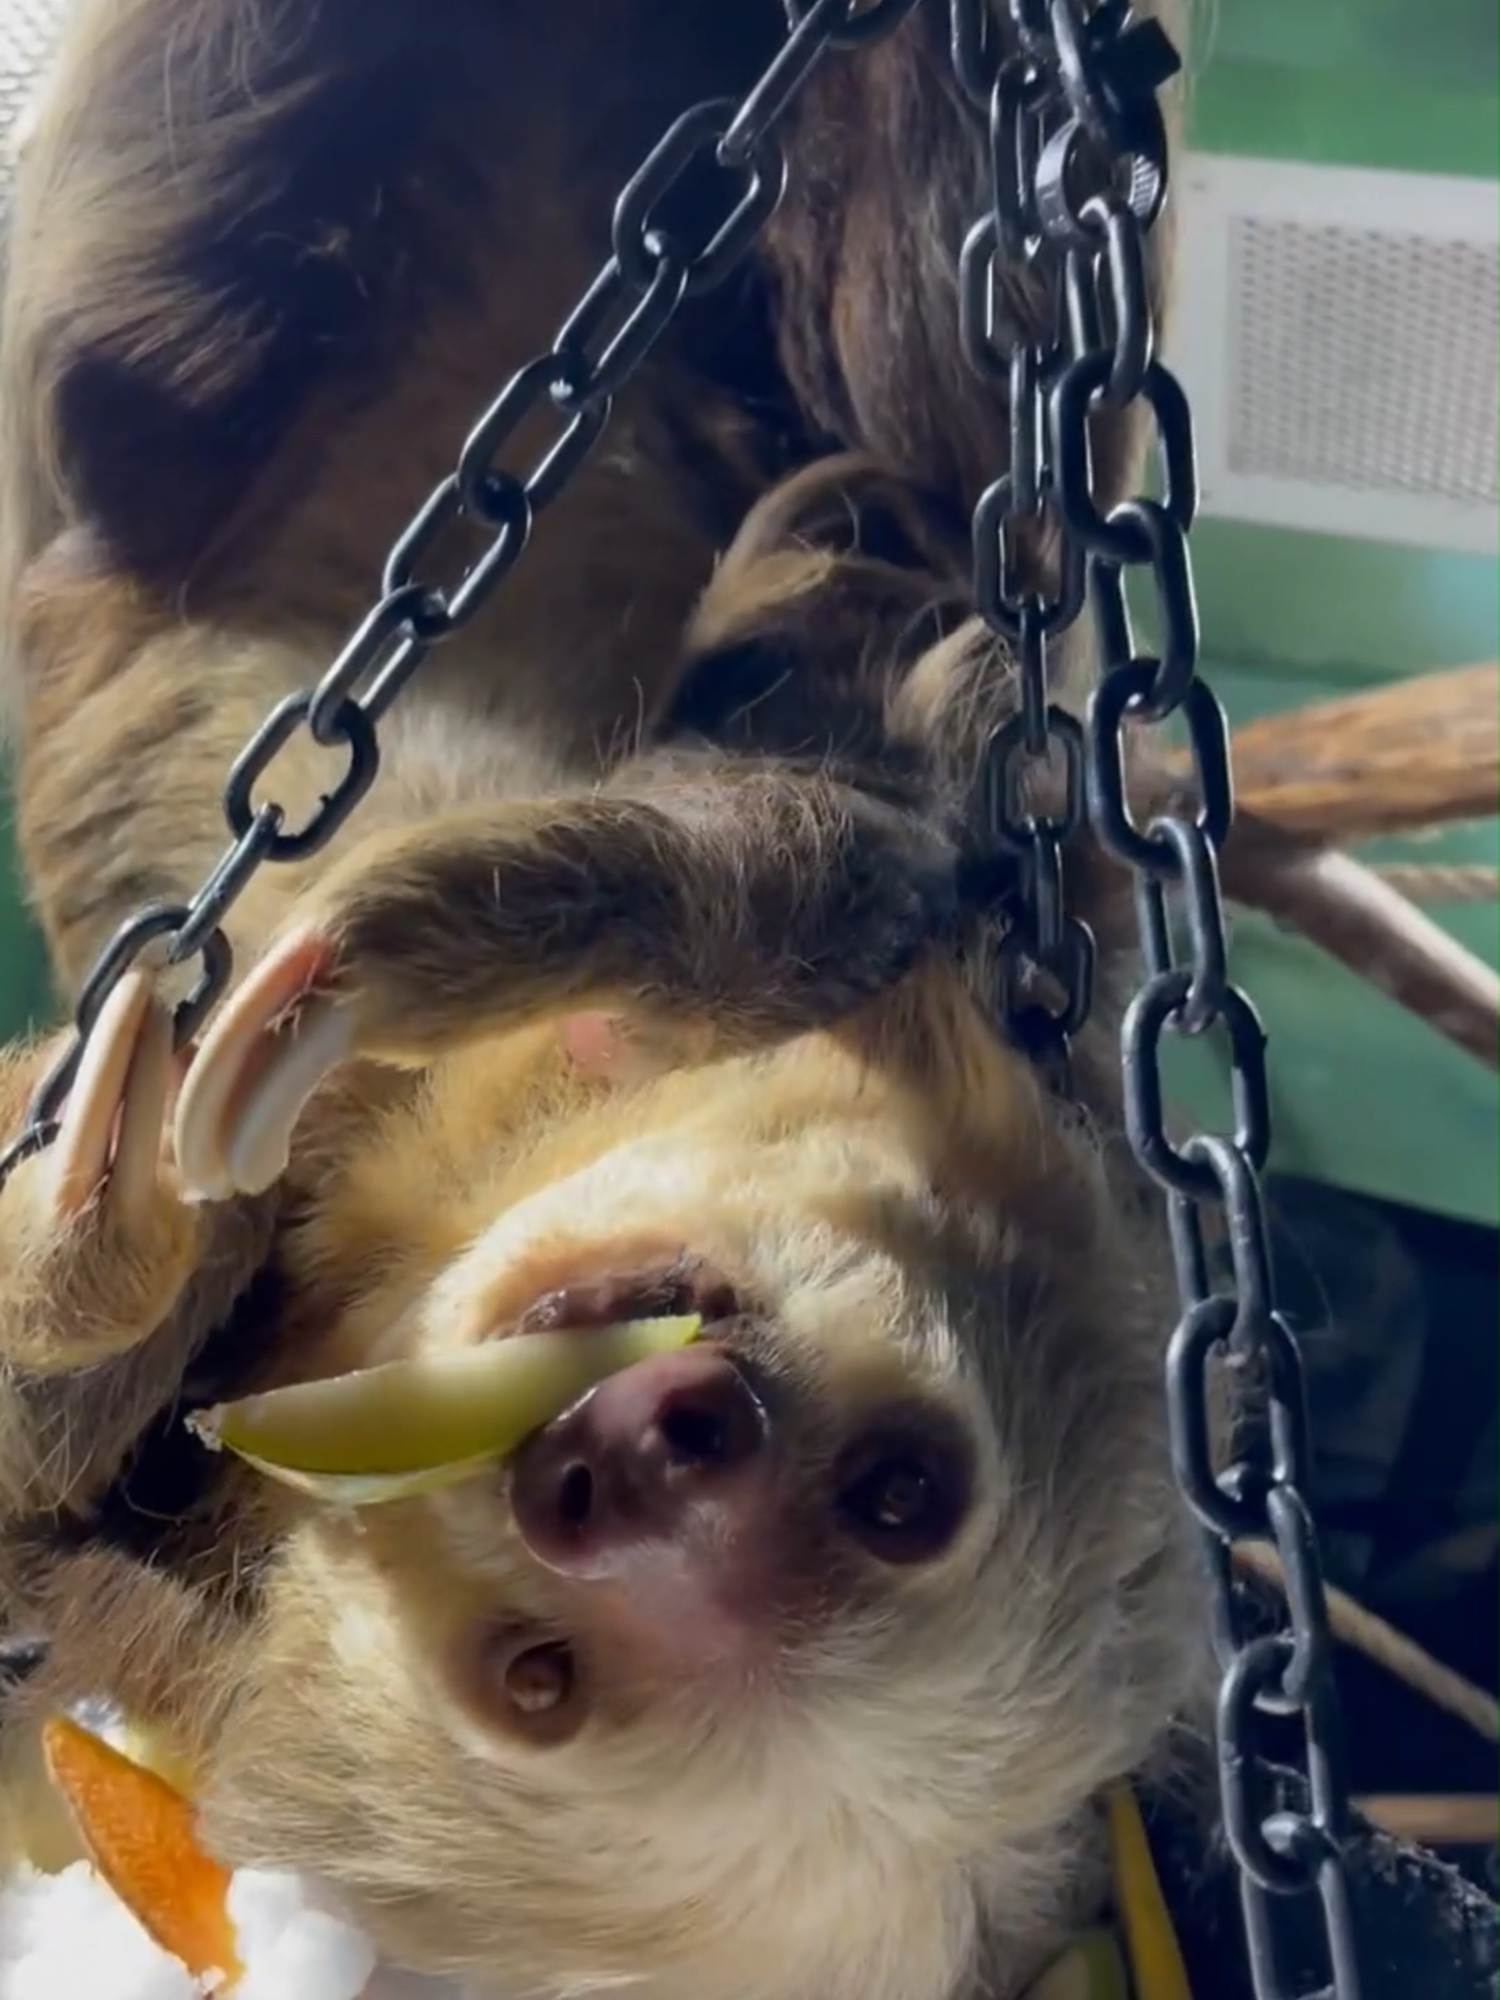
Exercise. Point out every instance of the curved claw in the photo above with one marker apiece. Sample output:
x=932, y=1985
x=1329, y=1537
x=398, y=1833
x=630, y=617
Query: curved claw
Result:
x=112, y=1122
x=258, y=1064
x=95, y=1242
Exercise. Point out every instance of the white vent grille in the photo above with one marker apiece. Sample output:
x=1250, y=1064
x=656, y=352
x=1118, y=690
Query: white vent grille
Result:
x=1361, y=359
x=1337, y=332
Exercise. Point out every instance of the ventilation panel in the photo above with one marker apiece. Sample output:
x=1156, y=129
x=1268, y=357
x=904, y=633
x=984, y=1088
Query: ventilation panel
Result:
x=1336, y=331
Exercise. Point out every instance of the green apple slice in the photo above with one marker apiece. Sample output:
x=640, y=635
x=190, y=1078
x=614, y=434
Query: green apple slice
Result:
x=410, y=1427
x=1092, y=1968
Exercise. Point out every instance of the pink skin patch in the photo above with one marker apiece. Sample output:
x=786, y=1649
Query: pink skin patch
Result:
x=594, y=1042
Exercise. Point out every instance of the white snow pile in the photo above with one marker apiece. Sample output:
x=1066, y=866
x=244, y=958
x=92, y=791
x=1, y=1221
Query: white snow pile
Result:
x=69, y=1937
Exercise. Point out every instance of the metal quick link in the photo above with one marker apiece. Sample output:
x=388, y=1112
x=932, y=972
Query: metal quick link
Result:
x=1078, y=172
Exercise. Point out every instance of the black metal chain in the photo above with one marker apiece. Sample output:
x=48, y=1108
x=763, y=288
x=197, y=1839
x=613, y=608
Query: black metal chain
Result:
x=1079, y=169
x=1079, y=164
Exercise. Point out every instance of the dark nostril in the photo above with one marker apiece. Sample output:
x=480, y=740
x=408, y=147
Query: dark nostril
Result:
x=635, y=1458
x=713, y=1426
x=575, y=1496
x=696, y=1437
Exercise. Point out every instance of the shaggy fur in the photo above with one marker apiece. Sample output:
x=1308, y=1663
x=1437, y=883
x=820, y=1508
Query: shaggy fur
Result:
x=702, y=782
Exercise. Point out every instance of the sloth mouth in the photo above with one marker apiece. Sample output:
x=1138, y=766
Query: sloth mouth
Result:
x=528, y=1679
x=539, y=1672
x=684, y=1285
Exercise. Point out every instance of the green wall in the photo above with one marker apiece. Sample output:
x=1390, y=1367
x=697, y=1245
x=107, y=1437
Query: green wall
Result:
x=1407, y=85
x=23, y=981
x=1363, y=1095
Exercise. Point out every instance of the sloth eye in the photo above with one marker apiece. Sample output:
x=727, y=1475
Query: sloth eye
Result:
x=901, y=1499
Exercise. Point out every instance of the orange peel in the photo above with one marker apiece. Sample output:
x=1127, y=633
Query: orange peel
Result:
x=139, y=1833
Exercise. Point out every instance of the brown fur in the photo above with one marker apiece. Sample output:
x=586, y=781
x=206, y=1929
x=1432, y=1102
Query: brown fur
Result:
x=267, y=261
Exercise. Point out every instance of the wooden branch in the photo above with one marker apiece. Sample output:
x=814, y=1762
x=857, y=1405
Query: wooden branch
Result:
x=1403, y=757
x=1459, y=1819
x=1343, y=906
x=1380, y=1641
x=1417, y=753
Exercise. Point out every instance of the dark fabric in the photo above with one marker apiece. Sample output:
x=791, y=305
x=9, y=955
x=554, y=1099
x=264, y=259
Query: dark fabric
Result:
x=1395, y=1313
x=1424, y=1931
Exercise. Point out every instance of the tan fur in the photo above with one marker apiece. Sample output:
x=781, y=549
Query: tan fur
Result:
x=708, y=767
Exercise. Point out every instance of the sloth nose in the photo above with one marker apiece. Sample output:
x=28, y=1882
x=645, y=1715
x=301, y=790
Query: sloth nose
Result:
x=674, y=1453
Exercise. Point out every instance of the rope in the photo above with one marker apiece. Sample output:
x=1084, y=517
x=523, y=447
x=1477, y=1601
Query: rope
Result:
x=1429, y=882
x=1411, y=1664
x=1456, y=1819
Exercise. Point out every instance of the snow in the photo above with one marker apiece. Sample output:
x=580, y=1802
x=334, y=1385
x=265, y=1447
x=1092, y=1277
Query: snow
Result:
x=68, y=1937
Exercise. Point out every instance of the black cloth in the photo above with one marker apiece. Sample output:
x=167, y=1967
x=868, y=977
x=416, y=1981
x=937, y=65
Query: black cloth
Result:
x=1425, y=1930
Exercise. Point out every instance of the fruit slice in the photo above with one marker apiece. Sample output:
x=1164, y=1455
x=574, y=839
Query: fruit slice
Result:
x=356, y=1490
x=408, y=1427
x=152, y=1750
x=138, y=1833
x=1090, y=1969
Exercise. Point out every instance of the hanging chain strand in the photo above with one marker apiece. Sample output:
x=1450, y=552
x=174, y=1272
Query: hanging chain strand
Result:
x=1073, y=104
x=1079, y=169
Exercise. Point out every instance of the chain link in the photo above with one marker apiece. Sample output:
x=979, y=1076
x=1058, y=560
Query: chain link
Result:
x=1078, y=175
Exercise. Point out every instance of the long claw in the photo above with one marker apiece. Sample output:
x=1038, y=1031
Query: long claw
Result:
x=135, y=1174
x=80, y=1159
x=260, y=1061
x=94, y=1238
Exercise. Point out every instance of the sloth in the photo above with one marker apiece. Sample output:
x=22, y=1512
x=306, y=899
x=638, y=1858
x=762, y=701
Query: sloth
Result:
x=656, y=973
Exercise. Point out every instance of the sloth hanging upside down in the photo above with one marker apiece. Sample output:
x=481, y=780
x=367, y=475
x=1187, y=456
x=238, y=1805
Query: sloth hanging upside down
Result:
x=647, y=978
